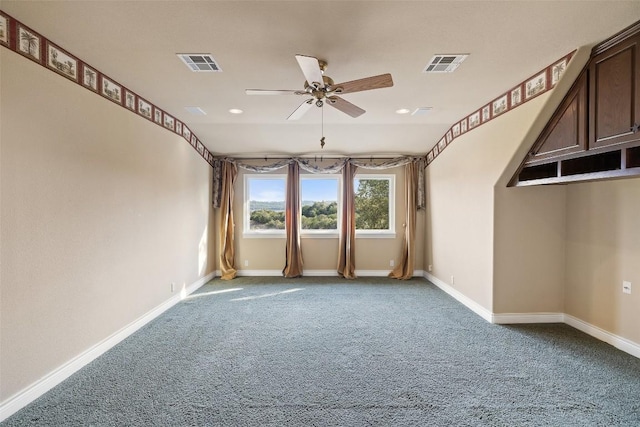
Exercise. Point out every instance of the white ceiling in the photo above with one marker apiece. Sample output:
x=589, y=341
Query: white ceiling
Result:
x=254, y=42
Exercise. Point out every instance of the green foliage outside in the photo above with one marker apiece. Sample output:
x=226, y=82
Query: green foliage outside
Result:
x=315, y=216
x=372, y=204
x=320, y=216
x=264, y=219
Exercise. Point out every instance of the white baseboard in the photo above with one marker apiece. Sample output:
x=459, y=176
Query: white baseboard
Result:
x=318, y=273
x=463, y=299
x=40, y=387
x=512, y=318
x=618, y=342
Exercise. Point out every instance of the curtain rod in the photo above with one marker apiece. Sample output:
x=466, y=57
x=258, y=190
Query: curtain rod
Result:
x=315, y=157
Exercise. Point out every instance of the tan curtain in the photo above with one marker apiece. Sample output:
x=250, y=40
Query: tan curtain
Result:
x=227, y=245
x=346, y=250
x=404, y=269
x=216, y=185
x=293, y=253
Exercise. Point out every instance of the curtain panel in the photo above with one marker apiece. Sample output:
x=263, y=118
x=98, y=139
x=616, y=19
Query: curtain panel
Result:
x=229, y=173
x=293, y=252
x=347, y=239
x=404, y=269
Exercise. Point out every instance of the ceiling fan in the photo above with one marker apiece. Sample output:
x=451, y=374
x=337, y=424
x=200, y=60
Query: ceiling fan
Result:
x=321, y=88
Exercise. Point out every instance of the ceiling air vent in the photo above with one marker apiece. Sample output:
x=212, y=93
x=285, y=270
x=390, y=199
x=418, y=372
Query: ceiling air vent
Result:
x=200, y=62
x=421, y=111
x=444, y=63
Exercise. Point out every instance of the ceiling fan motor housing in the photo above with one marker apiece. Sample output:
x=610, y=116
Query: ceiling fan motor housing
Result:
x=320, y=92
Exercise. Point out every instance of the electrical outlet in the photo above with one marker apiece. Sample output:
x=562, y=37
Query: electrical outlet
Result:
x=246, y=263
x=391, y=263
x=626, y=287
x=173, y=287
x=452, y=280
x=430, y=267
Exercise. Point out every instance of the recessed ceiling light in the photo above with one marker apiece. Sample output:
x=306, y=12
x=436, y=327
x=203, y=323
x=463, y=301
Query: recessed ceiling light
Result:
x=235, y=111
x=196, y=111
x=403, y=111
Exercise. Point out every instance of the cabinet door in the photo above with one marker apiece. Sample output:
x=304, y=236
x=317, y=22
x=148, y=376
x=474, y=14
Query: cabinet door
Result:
x=614, y=98
x=567, y=131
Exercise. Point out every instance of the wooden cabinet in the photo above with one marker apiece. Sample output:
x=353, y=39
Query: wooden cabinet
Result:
x=566, y=133
x=595, y=131
x=614, y=94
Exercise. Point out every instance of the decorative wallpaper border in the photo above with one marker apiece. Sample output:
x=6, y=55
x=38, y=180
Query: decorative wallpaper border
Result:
x=19, y=38
x=541, y=82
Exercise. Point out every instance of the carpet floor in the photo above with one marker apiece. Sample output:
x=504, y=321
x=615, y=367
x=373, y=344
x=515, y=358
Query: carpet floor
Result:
x=331, y=352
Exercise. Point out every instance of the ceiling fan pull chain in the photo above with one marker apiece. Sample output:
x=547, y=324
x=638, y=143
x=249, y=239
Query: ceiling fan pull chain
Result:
x=322, y=129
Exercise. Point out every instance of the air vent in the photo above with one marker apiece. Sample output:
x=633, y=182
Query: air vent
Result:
x=444, y=63
x=421, y=111
x=200, y=62
x=196, y=111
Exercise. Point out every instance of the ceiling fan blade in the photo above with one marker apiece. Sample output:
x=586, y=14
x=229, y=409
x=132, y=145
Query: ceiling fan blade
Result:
x=311, y=69
x=303, y=108
x=368, y=83
x=273, y=92
x=345, y=106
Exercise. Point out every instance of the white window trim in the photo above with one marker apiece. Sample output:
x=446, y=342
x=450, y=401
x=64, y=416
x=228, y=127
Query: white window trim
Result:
x=246, y=214
x=391, y=232
x=322, y=234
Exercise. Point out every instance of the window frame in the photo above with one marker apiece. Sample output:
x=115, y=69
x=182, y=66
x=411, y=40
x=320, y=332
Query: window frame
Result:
x=389, y=233
x=246, y=212
x=306, y=233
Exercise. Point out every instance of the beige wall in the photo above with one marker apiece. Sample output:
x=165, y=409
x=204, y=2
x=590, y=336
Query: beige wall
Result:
x=603, y=249
x=322, y=253
x=100, y=211
x=529, y=246
x=504, y=246
x=462, y=207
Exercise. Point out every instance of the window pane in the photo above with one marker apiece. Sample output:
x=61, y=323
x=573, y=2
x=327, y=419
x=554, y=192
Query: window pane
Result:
x=266, y=203
x=372, y=203
x=319, y=197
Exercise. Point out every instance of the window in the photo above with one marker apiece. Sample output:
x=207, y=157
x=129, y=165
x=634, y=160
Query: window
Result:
x=319, y=195
x=374, y=205
x=264, y=205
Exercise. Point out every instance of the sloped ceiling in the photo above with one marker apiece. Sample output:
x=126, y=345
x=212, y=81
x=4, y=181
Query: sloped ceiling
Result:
x=254, y=42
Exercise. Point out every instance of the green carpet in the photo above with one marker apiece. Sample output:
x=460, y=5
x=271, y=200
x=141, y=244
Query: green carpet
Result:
x=331, y=352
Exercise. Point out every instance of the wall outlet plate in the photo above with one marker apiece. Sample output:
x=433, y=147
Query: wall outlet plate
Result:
x=626, y=287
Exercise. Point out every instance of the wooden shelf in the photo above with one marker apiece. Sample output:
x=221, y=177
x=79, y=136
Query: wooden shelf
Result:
x=623, y=163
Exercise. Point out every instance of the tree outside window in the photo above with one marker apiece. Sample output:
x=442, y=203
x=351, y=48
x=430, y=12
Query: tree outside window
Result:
x=372, y=203
x=319, y=195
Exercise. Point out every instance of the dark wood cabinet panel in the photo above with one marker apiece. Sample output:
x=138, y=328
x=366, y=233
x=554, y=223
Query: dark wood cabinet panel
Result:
x=594, y=133
x=614, y=102
x=567, y=131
